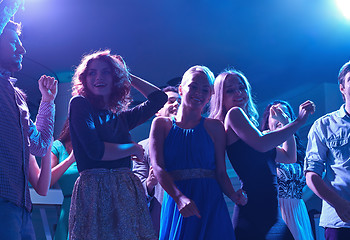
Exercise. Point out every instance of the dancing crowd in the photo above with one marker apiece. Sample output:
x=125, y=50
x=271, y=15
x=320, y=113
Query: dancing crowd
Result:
x=172, y=184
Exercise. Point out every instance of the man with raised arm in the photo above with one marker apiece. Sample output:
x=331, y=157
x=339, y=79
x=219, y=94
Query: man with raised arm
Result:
x=20, y=138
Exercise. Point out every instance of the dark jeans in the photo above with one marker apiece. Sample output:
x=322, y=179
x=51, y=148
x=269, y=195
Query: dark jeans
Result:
x=337, y=233
x=260, y=228
x=15, y=222
x=279, y=231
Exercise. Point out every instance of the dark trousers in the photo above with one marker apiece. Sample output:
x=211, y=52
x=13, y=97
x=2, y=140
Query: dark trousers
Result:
x=337, y=233
x=16, y=222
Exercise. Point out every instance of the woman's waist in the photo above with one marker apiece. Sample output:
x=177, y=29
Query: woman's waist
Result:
x=94, y=171
x=100, y=164
x=192, y=173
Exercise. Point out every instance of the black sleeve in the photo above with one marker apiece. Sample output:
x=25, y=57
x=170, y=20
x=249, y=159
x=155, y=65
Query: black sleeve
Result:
x=83, y=129
x=144, y=111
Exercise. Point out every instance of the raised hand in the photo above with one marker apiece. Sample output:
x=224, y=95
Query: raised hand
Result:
x=305, y=109
x=277, y=113
x=187, y=207
x=121, y=61
x=48, y=88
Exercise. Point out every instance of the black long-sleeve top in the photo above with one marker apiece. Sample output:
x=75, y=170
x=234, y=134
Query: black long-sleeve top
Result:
x=91, y=127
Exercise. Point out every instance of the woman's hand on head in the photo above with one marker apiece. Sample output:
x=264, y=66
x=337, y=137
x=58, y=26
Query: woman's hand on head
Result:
x=121, y=61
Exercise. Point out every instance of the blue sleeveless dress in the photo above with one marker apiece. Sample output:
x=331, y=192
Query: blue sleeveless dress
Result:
x=186, y=151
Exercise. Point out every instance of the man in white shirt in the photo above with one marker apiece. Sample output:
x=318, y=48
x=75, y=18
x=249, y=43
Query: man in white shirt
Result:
x=328, y=150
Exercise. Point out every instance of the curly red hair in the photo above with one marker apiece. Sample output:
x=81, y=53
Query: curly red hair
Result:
x=120, y=97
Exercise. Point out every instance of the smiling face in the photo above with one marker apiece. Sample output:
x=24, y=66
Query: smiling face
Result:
x=11, y=51
x=235, y=93
x=99, y=79
x=170, y=107
x=195, y=90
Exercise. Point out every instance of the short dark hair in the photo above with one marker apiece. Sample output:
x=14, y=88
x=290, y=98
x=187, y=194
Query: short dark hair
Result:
x=11, y=25
x=342, y=72
x=170, y=89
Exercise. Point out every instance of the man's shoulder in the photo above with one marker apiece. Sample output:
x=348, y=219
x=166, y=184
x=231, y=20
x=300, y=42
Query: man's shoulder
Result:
x=327, y=119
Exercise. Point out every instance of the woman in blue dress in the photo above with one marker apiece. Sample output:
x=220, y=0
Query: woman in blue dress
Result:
x=187, y=154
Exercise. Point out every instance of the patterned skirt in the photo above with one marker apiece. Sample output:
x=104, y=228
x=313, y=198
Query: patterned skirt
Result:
x=109, y=204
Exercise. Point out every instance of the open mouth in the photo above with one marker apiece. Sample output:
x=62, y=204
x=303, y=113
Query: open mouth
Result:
x=100, y=85
x=173, y=111
x=197, y=100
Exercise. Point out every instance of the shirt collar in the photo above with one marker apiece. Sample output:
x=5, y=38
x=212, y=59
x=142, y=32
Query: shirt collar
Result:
x=5, y=74
x=342, y=112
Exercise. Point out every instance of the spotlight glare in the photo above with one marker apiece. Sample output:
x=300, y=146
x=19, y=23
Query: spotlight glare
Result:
x=344, y=6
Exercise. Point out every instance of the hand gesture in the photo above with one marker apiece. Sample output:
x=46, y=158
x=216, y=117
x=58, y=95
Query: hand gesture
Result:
x=277, y=113
x=48, y=88
x=187, y=207
x=151, y=180
x=138, y=153
x=240, y=198
x=305, y=109
x=121, y=62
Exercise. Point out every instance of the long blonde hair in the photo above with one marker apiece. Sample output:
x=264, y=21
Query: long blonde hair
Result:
x=217, y=108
